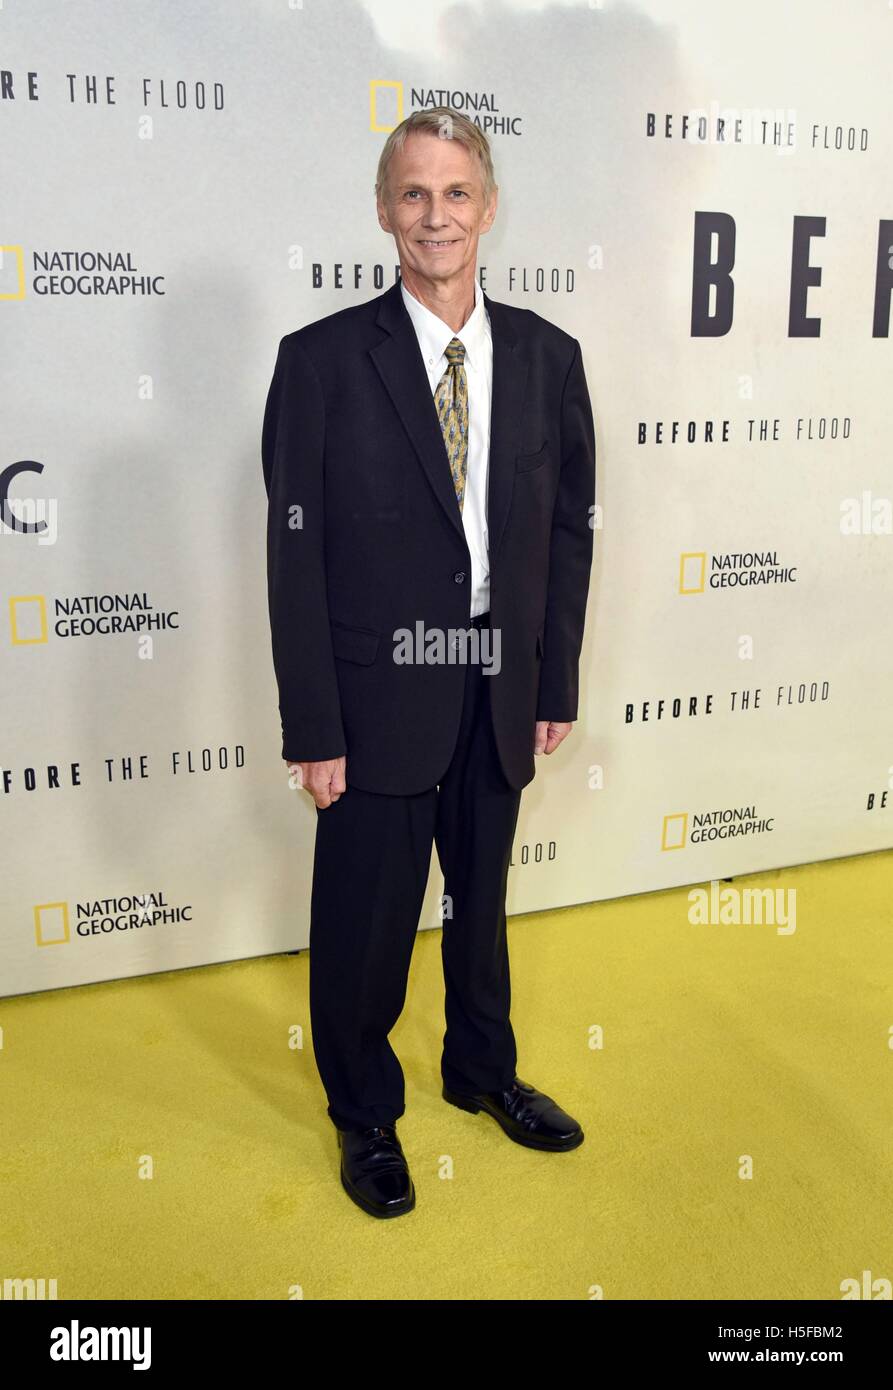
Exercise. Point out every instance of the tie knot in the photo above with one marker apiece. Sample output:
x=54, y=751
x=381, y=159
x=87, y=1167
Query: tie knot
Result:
x=455, y=353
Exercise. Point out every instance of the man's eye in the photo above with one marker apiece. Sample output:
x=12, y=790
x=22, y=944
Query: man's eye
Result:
x=416, y=193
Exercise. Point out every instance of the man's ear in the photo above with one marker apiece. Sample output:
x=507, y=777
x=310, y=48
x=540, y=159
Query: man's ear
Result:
x=490, y=214
x=381, y=210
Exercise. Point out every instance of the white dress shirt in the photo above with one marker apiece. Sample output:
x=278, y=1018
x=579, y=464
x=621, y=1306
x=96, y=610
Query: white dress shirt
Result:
x=434, y=335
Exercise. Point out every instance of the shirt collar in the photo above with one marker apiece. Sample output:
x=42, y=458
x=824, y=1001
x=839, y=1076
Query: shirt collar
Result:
x=434, y=335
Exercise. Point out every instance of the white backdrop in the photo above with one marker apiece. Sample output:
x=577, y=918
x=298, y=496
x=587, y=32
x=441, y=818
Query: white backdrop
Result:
x=185, y=183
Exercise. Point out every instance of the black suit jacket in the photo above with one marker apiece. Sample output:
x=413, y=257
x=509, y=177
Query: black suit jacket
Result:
x=364, y=537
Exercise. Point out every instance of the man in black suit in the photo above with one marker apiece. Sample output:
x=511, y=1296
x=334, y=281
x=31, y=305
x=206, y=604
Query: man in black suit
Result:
x=429, y=459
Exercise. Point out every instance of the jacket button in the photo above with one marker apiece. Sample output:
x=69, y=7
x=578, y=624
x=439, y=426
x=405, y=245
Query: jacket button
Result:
x=459, y=577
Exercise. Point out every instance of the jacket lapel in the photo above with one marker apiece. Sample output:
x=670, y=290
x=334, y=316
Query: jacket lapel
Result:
x=510, y=368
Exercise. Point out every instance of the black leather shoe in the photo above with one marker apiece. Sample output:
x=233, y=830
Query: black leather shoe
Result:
x=374, y=1171
x=526, y=1114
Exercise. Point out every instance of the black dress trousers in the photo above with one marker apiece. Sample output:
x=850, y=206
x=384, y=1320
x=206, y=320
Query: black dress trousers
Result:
x=370, y=871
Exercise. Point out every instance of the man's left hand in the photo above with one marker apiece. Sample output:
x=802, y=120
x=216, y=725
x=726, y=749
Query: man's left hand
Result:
x=549, y=735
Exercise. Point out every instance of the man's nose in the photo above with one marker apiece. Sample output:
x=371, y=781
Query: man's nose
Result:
x=437, y=215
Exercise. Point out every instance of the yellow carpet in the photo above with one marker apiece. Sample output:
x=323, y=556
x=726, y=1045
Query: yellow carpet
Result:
x=719, y=1042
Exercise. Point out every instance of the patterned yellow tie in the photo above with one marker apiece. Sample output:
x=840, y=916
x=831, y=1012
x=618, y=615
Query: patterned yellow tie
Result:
x=451, y=400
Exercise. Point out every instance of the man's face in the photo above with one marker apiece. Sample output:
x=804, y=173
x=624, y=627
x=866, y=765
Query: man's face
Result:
x=434, y=207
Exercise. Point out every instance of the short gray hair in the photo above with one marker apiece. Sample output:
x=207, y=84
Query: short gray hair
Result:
x=448, y=125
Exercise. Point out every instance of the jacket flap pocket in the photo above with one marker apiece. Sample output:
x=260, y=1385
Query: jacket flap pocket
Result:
x=358, y=644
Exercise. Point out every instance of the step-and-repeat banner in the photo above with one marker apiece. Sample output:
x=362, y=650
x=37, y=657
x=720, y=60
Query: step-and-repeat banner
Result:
x=700, y=193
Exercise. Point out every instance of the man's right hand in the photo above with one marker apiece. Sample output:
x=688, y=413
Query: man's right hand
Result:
x=324, y=781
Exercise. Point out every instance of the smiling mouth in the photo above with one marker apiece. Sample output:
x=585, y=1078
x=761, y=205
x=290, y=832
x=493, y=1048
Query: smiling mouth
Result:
x=451, y=242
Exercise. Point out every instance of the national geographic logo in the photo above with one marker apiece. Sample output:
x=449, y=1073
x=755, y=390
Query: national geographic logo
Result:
x=726, y=824
x=105, y=917
x=74, y=274
x=386, y=107
x=86, y=615
x=740, y=570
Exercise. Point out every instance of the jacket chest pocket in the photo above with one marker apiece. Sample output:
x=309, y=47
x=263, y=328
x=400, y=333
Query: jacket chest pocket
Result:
x=526, y=463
